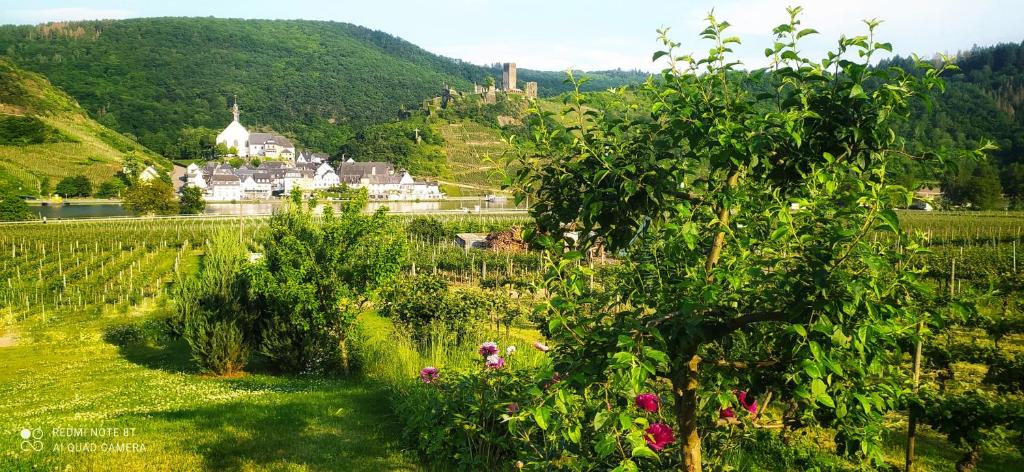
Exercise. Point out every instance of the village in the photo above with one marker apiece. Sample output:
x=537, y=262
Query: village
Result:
x=273, y=168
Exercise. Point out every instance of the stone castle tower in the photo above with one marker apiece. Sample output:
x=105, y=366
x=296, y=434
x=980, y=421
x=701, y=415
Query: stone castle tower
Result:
x=508, y=76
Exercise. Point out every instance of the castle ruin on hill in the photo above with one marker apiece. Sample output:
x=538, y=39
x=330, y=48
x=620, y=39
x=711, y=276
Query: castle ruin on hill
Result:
x=508, y=85
x=488, y=93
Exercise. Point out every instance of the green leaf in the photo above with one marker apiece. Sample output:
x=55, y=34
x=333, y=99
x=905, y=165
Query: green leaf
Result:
x=601, y=418
x=644, y=451
x=605, y=446
x=891, y=221
x=658, y=55
x=813, y=370
x=826, y=400
x=805, y=32
x=542, y=415
x=857, y=91
x=625, y=420
x=817, y=388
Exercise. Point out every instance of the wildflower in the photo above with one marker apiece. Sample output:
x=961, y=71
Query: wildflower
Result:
x=647, y=401
x=509, y=350
x=726, y=413
x=741, y=395
x=495, y=361
x=540, y=346
x=512, y=408
x=429, y=374
x=519, y=465
x=488, y=348
x=659, y=435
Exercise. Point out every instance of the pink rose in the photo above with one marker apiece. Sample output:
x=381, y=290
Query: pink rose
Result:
x=488, y=348
x=751, y=407
x=647, y=401
x=429, y=374
x=495, y=361
x=659, y=435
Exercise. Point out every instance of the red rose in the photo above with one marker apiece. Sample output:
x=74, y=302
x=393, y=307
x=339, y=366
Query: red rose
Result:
x=659, y=435
x=647, y=401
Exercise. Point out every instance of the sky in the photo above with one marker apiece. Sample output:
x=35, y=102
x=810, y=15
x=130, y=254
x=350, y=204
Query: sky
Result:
x=594, y=34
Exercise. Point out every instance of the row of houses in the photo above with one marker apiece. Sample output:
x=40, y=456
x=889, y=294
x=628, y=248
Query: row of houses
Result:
x=308, y=172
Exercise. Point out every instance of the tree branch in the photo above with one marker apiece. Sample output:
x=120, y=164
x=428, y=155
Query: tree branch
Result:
x=721, y=329
x=745, y=364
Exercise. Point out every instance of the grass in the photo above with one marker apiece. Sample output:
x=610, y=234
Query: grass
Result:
x=67, y=376
x=61, y=373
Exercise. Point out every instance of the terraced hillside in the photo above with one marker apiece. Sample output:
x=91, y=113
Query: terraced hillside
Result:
x=44, y=133
x=475, y=154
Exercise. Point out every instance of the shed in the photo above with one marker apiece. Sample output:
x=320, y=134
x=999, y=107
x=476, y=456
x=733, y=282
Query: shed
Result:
x=471, y=240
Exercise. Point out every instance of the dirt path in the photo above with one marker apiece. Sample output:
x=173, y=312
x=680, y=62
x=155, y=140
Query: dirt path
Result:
x=8, y=340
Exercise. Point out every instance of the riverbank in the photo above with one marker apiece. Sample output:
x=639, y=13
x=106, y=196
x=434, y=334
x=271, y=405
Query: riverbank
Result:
x=112, y=208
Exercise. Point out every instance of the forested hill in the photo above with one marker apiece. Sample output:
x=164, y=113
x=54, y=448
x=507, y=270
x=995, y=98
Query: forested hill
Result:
x=46, y=136
x=312, y=80
x=983, y=100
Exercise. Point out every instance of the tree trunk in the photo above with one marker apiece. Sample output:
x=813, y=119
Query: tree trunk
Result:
x=684, y=387
x=912, y=418
x=344, y=356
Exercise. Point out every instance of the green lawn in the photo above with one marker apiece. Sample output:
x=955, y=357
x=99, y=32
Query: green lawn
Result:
x=64, y=375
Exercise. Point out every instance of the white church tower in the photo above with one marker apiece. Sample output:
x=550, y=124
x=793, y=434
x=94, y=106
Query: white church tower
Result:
x=235, y=135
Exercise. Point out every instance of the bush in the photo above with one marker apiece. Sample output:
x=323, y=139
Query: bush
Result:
x=153, y=197
x=428, y=228
x=12, y=207
x=111, y=188
x=210, y=310
x=425, y=304
x=218, y=346
x=462, y=415
x=314, y=278
x=191, y=201
x=151, y=331
x=77, y=186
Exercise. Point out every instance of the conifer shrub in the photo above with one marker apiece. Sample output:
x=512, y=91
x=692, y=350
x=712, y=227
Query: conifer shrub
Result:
x=210, y=309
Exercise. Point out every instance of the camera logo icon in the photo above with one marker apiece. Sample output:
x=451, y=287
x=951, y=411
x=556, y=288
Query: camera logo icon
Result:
x=31, y=439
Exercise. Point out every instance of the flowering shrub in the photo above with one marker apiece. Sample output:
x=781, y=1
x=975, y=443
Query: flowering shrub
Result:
x=757, y=245
x=460, y=417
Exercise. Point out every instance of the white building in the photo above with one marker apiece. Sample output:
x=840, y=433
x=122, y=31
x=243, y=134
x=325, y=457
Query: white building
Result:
x=149, y=173
x=221, y=182
x=382, y=181
x=235, y=135
x=248, y=144
x=224, y=188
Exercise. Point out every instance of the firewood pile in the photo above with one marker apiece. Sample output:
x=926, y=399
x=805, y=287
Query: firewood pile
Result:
x=508, y=240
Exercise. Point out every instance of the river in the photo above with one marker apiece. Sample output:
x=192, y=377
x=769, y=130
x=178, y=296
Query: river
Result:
x=101, y=210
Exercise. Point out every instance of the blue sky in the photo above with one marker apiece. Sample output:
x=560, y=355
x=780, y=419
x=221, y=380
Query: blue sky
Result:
x=595, y=34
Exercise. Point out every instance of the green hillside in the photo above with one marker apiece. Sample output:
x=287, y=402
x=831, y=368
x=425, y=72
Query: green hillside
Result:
x=474, y=153
x=45, y=133
x=313, y=80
